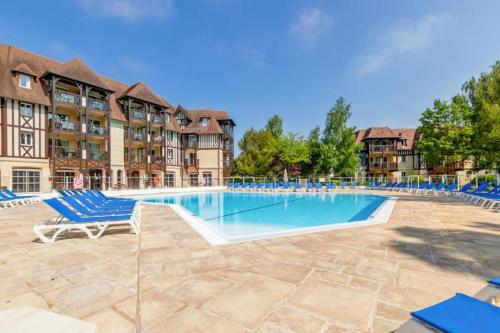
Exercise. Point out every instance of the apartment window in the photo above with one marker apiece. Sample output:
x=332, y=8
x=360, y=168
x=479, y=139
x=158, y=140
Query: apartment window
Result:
x=193, y=179
x=170, y=153
x=207, y=179
x=170, y=136
x=26, y=139
x=24, y=81
x=204, y=121
x=192, y=141
x=403, y=159
x=169, y=179
x=25, y=181
x=26, y=109
x=167, y=117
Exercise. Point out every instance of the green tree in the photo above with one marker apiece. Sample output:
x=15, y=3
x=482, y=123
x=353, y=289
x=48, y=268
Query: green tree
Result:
x=314, y=145
x=258, y=149
x=290, y=152
x=446, y=132
x=340, y=152
x=484, y=96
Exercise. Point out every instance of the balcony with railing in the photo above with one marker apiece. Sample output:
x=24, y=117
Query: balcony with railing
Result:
x=66, y=97
x=98, y=105
x=157, y=139
x=388, y=149
x=136, y=158
x=64, y=125
x=96, y=155
x=383, y=165
x=60, y=152
x=156, y=119
x=158, y=159
x=137, y=114
x=98, y=130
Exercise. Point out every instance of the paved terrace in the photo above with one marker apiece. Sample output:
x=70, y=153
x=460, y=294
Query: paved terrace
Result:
x=352, y=280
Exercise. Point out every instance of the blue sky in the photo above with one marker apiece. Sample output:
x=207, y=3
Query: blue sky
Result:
x=255, y=58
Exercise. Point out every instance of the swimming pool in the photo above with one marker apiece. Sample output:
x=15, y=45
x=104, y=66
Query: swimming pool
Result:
x=225, y=217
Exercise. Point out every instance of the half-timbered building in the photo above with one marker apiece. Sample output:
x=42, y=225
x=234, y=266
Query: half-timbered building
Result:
x=61, y=121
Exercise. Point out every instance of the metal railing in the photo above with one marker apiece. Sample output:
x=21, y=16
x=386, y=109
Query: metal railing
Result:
x=156, y=119
x=136, y=158
x=45, y=183
x=138, y=114
x=96, y=155
x=98, y=130
x=66, y=97
x=64, y=125
x=382, y=148
x=64, y=152
x=383, y=165
x=97, y=104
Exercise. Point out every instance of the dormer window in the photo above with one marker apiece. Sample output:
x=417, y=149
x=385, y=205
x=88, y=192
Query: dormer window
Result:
x=204, y=121
x=24, y=81
x=167, y=117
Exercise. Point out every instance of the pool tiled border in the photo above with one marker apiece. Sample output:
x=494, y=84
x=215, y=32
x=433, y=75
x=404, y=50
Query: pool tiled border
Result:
x=215, y=237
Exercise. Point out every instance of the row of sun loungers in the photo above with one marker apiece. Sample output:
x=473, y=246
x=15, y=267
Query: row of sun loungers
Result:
x=10, y=199
x=483, y=194
x=460, y=313
x=288, y=187
x=90, y=212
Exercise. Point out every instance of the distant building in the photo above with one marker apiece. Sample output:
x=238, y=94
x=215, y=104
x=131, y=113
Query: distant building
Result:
x=390, y=152
x=60, y=121
x=393, y=153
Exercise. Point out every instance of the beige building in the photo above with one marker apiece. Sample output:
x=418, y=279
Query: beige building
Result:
x=393, y=153
x=390, y=153
x=61, y=121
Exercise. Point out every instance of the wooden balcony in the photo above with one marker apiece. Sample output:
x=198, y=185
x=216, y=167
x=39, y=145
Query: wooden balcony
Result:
x=64, y=97
x=157, y=162
x=158, y=140
x=191, y=165
x=387, y=166
x=135, y=136
x=137, y=115
x=98, y=105
x=136, y=161
x=156, y=119
x=98, y=130
x=382, y=149
x=64, y=126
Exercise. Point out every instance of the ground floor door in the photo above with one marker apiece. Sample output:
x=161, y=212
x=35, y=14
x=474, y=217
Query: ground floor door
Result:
x=133, y=179
x=95, y=179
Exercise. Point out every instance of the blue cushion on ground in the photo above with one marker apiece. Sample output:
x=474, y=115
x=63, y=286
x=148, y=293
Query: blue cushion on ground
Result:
x=495, y=280
x=461, y=314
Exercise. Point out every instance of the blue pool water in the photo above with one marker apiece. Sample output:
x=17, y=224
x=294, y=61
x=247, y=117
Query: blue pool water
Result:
x=235, y=214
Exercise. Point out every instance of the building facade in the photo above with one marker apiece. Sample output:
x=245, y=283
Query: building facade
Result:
x=390, y=153
x=61, y=121
x=393, y=153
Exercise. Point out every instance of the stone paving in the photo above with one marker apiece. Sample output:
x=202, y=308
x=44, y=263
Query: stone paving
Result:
x=364, y=279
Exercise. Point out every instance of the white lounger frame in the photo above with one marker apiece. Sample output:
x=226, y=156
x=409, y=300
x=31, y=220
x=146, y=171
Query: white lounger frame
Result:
x=61, y=226
x=414, y=325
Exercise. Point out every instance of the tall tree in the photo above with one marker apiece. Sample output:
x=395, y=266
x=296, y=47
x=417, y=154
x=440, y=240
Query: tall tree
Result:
x=275, y=126
x=340, y=152
x=290, y=152
x=446, y=132
x=314, y=145
x=484, y=96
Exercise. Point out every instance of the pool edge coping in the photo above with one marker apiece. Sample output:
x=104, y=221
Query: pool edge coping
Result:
x=214, y=237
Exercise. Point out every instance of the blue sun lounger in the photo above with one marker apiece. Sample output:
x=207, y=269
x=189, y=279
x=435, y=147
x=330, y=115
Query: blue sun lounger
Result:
x=458, y=314
x=71, y=220
x=309, y=187
x=83, y=210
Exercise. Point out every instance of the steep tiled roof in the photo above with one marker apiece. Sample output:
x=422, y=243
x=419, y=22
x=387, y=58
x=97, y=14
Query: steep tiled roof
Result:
x=195, y=126
x=411, y=135
x=23, y=68
x=14, y=60
x=142, y=92
x=77, y=70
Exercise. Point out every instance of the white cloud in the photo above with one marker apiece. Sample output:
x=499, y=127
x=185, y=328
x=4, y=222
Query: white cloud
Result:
x=310, y=26
x=402, y=37
x=132, y=10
